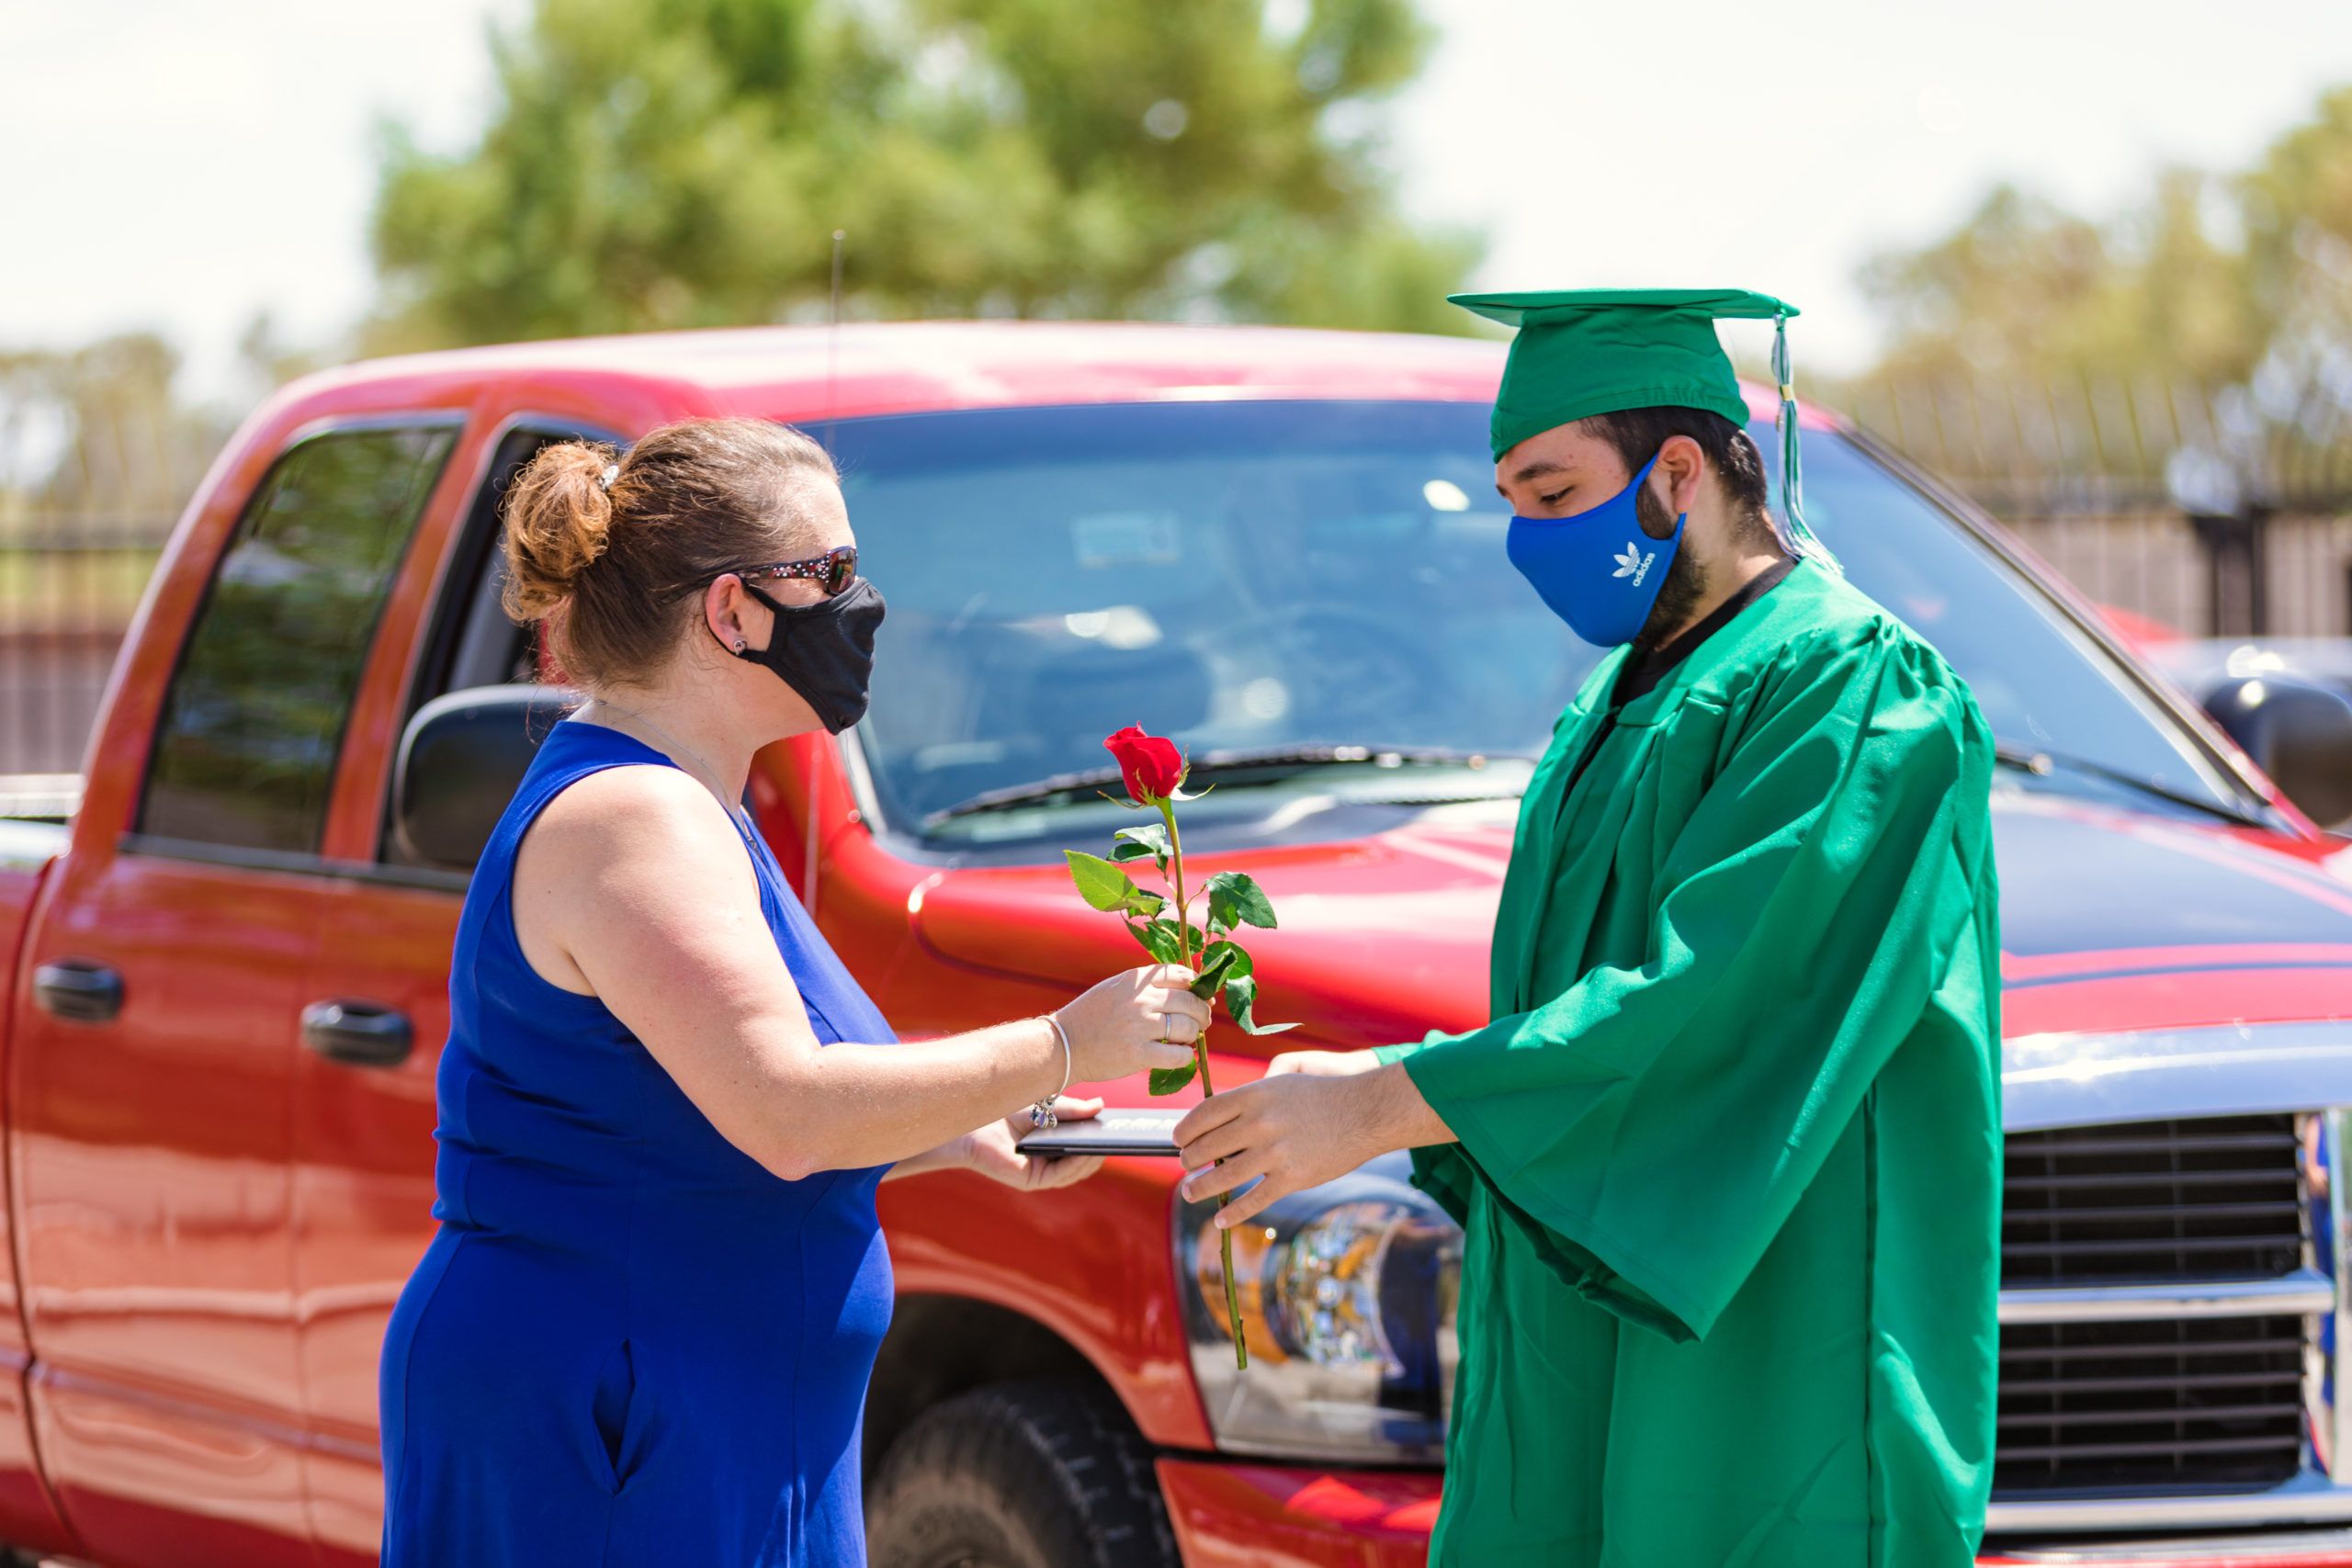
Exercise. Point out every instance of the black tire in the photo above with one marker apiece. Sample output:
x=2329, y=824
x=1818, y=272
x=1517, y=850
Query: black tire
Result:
x=1020, y=1475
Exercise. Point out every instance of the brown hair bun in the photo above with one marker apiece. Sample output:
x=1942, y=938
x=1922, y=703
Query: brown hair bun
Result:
x=559, y=520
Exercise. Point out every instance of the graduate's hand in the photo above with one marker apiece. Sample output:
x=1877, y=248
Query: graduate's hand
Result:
x=1314, y=1117
x=1323, y=1064
x=994, y=1151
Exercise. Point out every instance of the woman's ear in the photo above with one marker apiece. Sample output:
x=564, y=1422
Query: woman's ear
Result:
x=724, y=610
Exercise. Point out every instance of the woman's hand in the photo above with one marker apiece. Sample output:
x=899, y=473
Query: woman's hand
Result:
x=1132, y=1022
x=993, y=1152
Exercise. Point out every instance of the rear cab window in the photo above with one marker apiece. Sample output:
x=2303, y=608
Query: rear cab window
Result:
x=246, y=747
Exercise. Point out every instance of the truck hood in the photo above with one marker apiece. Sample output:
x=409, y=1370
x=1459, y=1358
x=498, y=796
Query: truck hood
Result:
x=2111, y=922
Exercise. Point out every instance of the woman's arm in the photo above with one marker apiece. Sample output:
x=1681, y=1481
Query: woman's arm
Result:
x=633, y=887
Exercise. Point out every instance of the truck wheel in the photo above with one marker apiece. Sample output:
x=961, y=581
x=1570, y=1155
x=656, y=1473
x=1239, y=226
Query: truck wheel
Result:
x=1020, y=1475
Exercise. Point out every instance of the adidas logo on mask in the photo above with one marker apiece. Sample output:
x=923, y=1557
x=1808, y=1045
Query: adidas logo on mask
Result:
x=1632, y=563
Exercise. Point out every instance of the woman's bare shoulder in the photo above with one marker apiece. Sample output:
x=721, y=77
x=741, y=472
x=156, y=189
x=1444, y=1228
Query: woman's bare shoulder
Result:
x=626, y=860
x=632, y=818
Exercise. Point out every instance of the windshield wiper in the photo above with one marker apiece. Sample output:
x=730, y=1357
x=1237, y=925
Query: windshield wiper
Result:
x=2040, y=762
x=1274, y=762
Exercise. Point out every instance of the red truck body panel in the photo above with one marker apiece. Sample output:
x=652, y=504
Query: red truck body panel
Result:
x=26, y=1507
x=212, y=1221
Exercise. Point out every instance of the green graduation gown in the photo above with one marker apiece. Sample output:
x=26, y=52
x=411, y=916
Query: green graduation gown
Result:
x=1729, y=1157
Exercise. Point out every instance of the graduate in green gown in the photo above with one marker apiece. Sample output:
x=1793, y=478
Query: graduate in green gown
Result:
x=1728, y=1157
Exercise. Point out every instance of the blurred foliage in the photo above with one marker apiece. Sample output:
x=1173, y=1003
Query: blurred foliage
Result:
x=99, y=433
x=657, y=163
x=2297, y=209
x=2197, y=283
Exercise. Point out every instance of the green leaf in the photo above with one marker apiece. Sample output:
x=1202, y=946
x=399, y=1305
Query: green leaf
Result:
x=1234, y=900
x=1167, y=1080
x=1161, y=938
x=1223, y=961
x=1136, y=842
x=1108, y=888
x=1157, y=938
x=1100, y=882
x=1240, y=996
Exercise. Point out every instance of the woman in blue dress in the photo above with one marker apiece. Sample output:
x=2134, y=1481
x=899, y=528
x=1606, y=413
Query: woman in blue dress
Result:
x=643, y=1332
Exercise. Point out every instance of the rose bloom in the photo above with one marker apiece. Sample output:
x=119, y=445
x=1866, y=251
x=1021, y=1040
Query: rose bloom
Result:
x=1150, y=765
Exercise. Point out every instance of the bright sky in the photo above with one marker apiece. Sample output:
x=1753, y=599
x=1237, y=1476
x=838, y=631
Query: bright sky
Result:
x=185, y=165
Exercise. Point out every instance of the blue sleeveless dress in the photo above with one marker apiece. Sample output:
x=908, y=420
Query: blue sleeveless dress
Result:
x=629, y=1343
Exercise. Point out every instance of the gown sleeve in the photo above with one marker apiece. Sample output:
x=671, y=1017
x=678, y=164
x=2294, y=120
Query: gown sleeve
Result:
x=1648, y=1130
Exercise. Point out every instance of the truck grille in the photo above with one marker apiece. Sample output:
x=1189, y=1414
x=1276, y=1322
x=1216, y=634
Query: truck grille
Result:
x=2166, y=1403
x=2215, y=1198
x=2173, y=1403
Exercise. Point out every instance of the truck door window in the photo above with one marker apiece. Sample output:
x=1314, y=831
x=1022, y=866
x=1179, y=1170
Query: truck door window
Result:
x=246, y=751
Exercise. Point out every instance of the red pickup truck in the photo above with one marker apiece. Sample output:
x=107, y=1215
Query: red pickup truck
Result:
x=228, y=969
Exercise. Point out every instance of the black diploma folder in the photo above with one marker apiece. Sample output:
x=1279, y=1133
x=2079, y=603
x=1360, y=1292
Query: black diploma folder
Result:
x=1149, y=1131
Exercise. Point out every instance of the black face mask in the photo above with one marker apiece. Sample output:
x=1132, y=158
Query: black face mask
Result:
x=825, y=651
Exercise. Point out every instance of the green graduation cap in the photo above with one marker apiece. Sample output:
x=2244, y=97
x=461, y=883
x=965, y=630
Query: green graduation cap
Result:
x=1585, y=351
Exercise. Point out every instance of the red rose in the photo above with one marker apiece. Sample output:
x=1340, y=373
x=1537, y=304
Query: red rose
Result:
x=1152, y=766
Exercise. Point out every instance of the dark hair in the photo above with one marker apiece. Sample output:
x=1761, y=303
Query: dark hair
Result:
x=1636, y=434
x=607, y=564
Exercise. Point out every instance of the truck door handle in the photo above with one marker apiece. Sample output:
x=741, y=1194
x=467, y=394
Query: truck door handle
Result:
x=78, y=989
x=361, y=1034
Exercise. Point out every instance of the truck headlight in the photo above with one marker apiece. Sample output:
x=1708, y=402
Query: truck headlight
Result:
x=1348, y=1295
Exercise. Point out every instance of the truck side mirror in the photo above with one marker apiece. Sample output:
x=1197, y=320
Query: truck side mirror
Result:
x=2300, y=733
x=460, y=760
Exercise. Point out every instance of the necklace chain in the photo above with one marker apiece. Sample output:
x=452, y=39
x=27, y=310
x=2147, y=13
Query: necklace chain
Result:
x=710, y=774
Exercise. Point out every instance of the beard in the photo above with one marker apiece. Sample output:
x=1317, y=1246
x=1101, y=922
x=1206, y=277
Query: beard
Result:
x=1685, y=584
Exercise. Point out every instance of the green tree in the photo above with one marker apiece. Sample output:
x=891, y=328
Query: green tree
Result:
x=2197, y=283
x=2024, y=288
x=656, y=163
x=99, y=434
x=2298, y=218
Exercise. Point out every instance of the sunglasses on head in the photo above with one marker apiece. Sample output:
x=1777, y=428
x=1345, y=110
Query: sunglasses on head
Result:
x=832, y=571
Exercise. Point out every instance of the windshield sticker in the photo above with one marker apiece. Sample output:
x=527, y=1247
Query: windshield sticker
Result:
x=1127, y=539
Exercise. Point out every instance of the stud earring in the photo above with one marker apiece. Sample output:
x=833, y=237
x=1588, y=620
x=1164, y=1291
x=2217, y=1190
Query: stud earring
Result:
x=739, y=644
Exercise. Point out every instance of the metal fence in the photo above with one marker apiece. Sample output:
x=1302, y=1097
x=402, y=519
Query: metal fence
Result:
x=2218, y=511
x=2088, y=448
x=97, y=457
x=68, y=588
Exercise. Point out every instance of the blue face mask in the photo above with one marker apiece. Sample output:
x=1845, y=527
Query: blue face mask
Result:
x=1598, y=569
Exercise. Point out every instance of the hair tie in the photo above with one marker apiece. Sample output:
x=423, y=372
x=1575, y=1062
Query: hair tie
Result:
x=605, y=480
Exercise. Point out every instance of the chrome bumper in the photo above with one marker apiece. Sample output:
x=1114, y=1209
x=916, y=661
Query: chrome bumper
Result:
x=2286, y=1547
x=2308, y=1499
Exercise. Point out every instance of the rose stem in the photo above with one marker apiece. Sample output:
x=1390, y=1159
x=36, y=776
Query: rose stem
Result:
x=1201, y=1057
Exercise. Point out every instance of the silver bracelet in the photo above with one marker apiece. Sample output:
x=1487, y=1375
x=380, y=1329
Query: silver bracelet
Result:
x=1041, y=1115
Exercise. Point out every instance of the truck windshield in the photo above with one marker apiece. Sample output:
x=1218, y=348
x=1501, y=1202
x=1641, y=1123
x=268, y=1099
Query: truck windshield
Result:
x=1312, y=598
